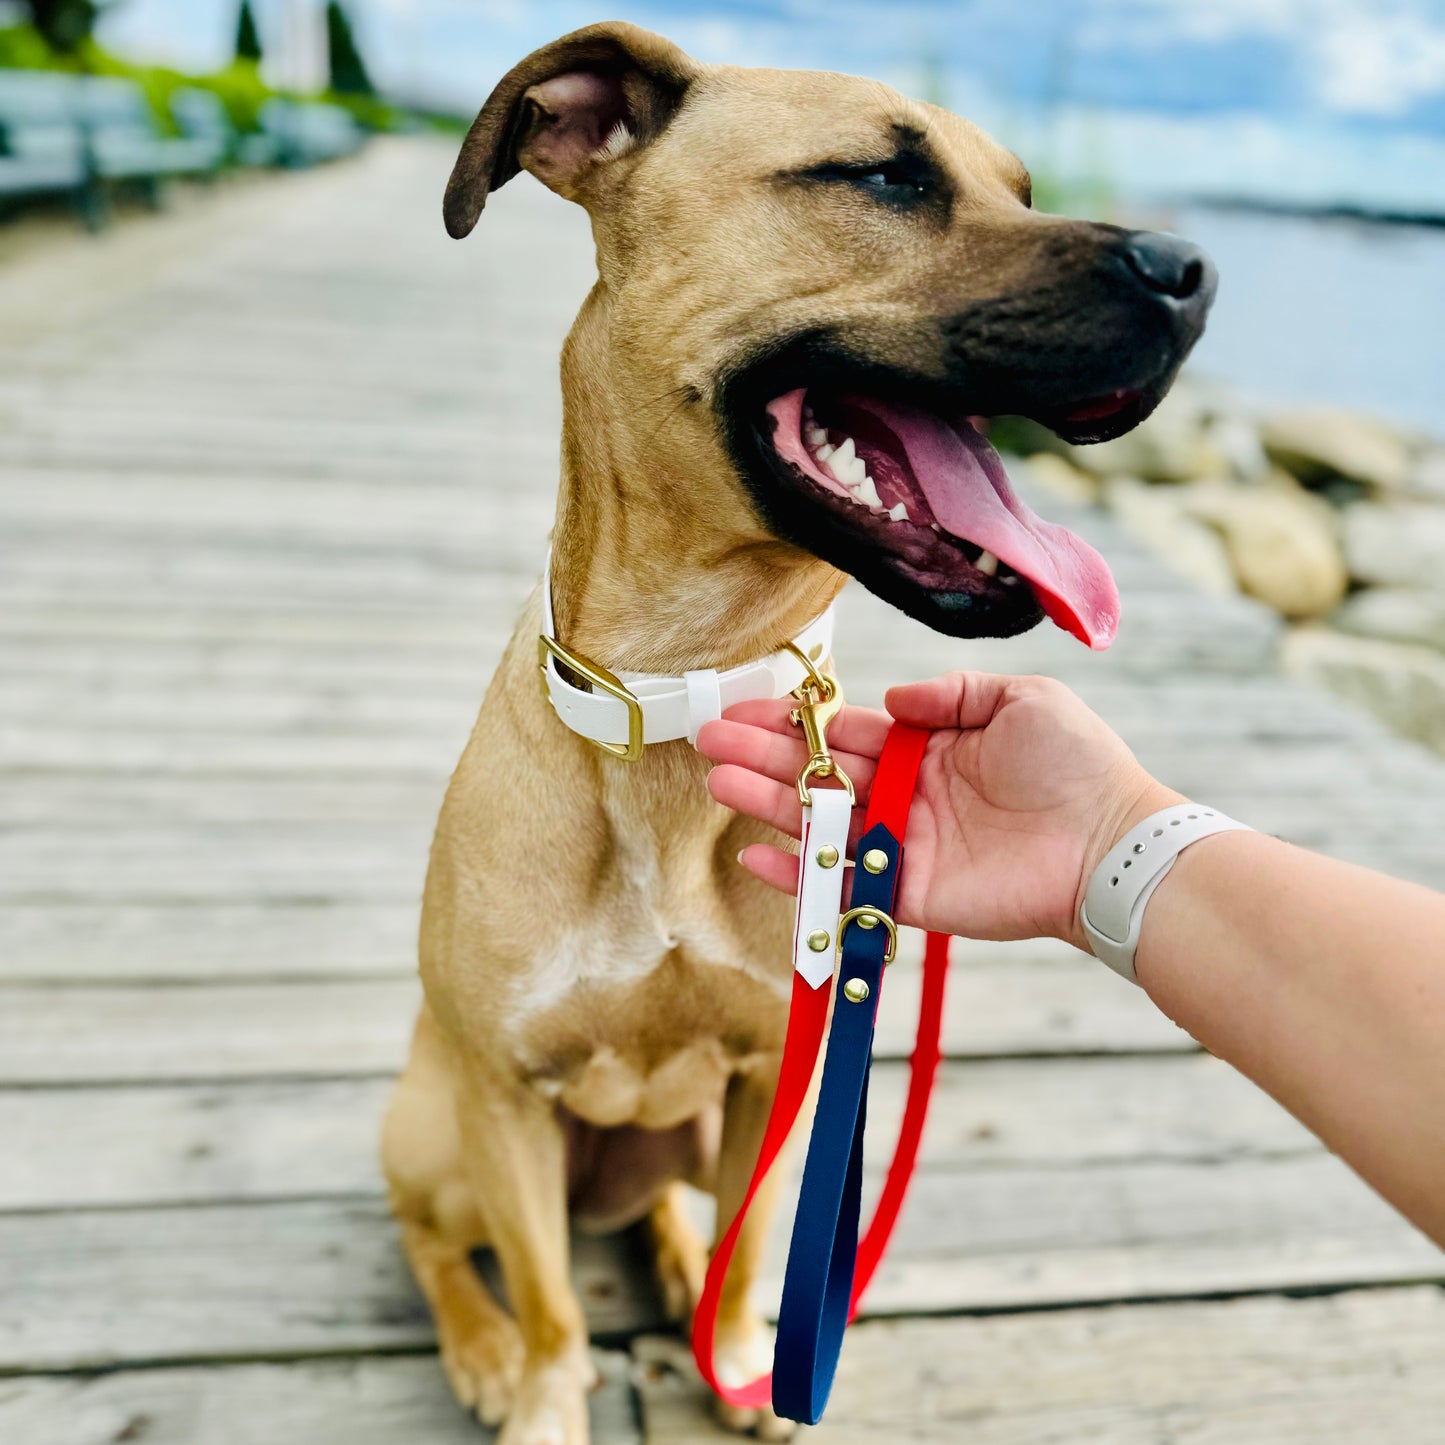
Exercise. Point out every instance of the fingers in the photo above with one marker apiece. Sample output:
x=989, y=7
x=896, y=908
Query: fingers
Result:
x=858, y=730
x=769, y=801
x=775, y=755
x=745, y=791
x=775, y=867
x=779, y=869
x=960, y=699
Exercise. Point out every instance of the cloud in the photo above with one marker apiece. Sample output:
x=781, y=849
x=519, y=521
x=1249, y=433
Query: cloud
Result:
x=1380, y=66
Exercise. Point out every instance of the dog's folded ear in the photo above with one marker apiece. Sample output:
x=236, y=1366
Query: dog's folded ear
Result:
x=569, y=107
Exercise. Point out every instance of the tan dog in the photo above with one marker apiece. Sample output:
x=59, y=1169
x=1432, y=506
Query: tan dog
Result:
x=781, y=255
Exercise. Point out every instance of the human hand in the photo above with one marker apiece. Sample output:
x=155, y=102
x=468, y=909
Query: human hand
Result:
x=1022, y=791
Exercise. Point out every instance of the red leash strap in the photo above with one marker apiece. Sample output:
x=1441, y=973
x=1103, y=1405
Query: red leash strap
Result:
x=889, y=802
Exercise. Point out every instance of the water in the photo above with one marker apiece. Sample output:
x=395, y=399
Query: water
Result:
x=1326, y=311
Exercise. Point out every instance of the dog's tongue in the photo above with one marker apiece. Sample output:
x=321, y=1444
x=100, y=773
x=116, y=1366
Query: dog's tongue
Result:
x=968, y=492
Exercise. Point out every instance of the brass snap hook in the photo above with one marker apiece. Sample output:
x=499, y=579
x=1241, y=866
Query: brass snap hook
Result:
x=820, y=699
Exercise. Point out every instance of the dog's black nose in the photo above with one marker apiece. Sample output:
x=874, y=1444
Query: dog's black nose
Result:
x=1168, y=264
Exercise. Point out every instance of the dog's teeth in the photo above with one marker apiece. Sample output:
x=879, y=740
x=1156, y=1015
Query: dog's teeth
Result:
x=935, y=526
x=845, y=463
x=815, y=435
x=823, y=452
x=869, y=493
x=898, y=512
x=987, y=563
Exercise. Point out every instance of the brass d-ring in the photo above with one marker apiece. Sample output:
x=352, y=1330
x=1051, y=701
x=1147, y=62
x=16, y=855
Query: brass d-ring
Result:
x=867, y=916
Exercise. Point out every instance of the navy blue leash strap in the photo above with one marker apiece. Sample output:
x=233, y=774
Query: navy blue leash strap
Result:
x=818, y=1283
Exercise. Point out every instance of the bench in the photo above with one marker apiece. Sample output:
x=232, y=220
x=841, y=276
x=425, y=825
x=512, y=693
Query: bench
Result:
x=125, y=143
x=202, y=115
x=309, y=132
x=42, y=145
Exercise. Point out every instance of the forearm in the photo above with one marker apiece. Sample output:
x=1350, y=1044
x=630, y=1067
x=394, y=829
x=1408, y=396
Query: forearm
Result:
x=1325, y=984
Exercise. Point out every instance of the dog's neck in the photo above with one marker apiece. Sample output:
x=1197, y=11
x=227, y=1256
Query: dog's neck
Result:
x=655, y=570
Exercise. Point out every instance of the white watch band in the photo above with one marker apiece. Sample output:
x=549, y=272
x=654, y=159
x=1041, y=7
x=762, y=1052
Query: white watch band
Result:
x=1122, y=885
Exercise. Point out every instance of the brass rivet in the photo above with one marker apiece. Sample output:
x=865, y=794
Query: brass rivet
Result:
x=855, y=990
x=867, y=920
x=827, y=856
x=875, y=860
x=815, y=652
x=818, y=940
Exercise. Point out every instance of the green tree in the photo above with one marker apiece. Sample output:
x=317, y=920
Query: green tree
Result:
x=65, y=24
x=248, y=39
x=348, y=71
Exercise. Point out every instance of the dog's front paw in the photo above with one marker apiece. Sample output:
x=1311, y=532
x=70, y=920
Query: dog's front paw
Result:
x=739, y=1358
x=761, y=1422
x=551, y=1405
x=484, y=1368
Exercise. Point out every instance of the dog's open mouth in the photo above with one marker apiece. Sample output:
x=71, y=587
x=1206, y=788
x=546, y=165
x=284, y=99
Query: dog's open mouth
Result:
x=929, y=491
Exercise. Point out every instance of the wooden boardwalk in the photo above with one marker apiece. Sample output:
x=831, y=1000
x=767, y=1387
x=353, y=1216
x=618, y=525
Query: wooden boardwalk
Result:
x=275, y=474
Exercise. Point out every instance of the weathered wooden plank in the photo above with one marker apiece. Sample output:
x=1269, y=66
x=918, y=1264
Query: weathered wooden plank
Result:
x=1331, y=1371
x=265, y=1140
x=87, y=1290
x=132, y=941
x=165, y=800
x=377, y=862
x=223, y=1281
x=1178, y=714
x=93, y=1032
x=1010, y=1238
x=362, y=862
x=251, y=504
x=375, y=1400
x=86, y=1034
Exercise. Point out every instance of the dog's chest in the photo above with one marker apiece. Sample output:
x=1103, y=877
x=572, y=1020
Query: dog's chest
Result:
x=642, y=1019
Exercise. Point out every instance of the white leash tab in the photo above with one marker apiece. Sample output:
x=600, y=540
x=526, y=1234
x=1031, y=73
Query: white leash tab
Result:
x=820, y=883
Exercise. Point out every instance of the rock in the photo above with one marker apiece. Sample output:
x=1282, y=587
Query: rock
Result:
x=1317, y=446
x=1067, y=483
x=1427, y=477
x=1156, y=517
x=1398, y=614
x=1281, y=544
x=1401, y=545
x=1402, y=685
x=1235, y=438
x=1172, y=446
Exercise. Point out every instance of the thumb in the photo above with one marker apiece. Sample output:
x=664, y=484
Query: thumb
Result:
x=955, y=700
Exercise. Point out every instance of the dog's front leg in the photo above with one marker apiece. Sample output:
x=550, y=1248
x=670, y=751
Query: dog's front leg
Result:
x=744, y=1342
x=516, y=1162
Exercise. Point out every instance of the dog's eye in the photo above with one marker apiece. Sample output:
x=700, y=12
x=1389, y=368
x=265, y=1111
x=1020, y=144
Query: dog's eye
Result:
x=902, y=183
x=893, y=182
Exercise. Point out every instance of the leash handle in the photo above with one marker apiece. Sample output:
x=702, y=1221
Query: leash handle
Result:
x=891, y=796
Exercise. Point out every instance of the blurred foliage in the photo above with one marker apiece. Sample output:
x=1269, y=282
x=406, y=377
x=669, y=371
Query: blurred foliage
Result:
x=240, y=85
x=347, y=69
x=64, y=24
x=248, y=38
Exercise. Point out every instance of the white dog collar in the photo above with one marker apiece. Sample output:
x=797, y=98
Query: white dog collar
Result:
x=1122, y=885
x=625, y=711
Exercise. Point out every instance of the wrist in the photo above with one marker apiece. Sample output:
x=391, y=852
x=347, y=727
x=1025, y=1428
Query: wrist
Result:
x=1136, y=797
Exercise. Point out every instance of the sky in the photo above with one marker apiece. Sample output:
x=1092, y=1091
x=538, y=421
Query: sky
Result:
x=1315, y=101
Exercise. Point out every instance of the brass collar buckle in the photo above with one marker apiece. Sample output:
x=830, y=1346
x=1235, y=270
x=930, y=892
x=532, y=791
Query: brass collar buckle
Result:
x=820, y=698
x=601, y=681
